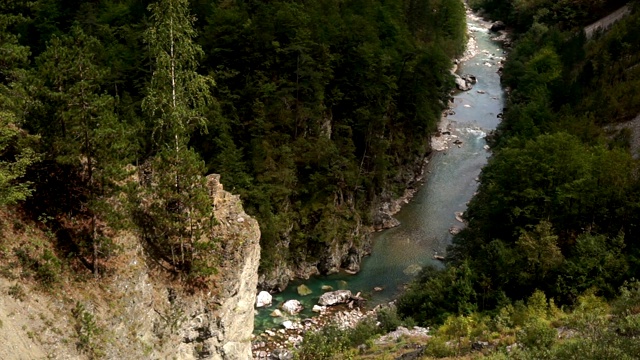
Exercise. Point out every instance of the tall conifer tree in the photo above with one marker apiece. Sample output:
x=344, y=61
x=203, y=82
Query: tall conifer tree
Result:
x=90, y=136
x=175, y=100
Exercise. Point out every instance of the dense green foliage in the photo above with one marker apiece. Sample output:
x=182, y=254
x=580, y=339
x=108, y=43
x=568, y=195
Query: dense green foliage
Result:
x=317, y=109
x=16, y=152
x=557, y=208
x=533, y=328
x=323, y=107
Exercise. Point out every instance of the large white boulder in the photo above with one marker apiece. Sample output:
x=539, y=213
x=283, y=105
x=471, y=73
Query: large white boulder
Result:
x=263, y=299
x=335, y=297
x=292, y=307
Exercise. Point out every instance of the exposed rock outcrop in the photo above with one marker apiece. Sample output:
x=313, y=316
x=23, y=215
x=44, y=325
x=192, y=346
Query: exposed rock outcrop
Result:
x=339, y=256
x=239, y=276
x=138, y=310
x=215, y=324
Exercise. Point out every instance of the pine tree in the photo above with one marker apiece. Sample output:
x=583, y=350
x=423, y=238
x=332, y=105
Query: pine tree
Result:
x=90, y=136
x=175, y=100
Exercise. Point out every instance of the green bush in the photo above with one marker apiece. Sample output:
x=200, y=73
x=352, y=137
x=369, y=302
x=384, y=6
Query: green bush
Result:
x=538, y=334
x=389, y=319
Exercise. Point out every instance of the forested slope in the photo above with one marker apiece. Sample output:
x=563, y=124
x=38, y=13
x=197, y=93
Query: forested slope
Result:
x=556, y=212
x=315, y=112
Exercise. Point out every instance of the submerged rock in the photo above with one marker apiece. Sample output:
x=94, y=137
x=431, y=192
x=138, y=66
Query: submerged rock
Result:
x=335, y=297
x=412, y=269
x=327, y=288
x=303, y=290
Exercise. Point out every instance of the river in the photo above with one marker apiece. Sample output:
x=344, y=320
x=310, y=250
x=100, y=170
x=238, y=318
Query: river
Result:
x=450, y=182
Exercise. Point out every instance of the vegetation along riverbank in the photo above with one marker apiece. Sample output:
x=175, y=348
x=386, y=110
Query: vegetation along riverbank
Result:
x=546, y=267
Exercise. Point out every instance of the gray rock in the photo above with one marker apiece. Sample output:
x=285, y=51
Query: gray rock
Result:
x=479, y=345
x=335, y=297
x=469, y=79
x=497, y=26
x=263, y=299
x=281, y=354
x=292, y=307
x=383, y=221
x=413, y=355
x=461, y=84
x=288, y=324
x=465, y=82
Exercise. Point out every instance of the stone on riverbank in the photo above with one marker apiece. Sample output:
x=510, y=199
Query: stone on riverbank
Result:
x=401, y=331
x=335, y=297
x=497, y=26
x=288, y=324
x=292, y=307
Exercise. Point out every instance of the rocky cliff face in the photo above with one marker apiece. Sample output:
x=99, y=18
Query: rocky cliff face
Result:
x=220, y=327
x=347, y=253
x=239, y=276
x=172, y=323
x=139, y=311
x=214, y=325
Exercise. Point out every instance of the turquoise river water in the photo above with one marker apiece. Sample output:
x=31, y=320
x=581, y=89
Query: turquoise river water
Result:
x=450, y=182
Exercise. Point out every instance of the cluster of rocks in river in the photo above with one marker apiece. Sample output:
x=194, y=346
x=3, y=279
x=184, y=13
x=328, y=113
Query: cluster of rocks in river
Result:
x=339, y=307
x=280, y=343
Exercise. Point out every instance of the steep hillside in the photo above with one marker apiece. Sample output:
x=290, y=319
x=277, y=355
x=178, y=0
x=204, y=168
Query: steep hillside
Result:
x=136, y=310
